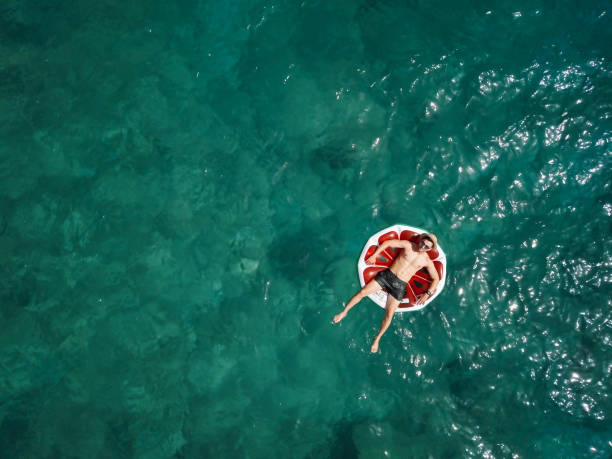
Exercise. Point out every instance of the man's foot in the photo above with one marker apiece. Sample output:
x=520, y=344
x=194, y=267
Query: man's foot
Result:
x=339, y=317
x=374, y=348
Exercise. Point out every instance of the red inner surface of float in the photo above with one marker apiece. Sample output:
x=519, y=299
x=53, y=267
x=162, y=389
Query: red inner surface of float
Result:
x=419, y=283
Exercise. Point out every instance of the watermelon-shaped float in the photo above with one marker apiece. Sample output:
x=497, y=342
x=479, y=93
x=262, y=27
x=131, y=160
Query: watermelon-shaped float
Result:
x=418, y=284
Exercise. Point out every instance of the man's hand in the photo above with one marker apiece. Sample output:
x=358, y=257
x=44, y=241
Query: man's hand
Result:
x=422, y=298
x=371, y=260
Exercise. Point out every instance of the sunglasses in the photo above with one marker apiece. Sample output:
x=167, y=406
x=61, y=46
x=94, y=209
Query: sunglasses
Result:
x=425, y=246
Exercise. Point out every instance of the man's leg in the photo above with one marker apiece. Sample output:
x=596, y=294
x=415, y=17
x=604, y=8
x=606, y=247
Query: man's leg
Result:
x=390, y=308
x=368, y=289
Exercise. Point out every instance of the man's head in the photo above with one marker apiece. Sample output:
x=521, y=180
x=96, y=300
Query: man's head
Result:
x=427, y=242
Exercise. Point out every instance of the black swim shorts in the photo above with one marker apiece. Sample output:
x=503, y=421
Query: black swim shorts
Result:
x=392, y=284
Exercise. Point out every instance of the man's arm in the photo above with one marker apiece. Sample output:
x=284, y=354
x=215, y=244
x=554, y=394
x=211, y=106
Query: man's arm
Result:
x=431, y=269
x=435, y=278
x=385, y=245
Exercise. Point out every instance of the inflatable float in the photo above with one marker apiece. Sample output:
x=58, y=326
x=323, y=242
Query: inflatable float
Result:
x=418, y=284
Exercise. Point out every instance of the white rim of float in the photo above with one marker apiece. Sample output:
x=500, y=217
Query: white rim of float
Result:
x=380, y=297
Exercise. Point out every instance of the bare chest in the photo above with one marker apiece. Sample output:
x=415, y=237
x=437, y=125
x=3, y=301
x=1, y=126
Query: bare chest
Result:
x=410, y=258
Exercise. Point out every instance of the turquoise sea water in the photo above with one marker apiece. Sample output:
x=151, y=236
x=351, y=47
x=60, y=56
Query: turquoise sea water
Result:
x=186, y=187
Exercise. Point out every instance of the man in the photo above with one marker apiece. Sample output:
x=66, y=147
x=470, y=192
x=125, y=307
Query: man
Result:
x=412, y=257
